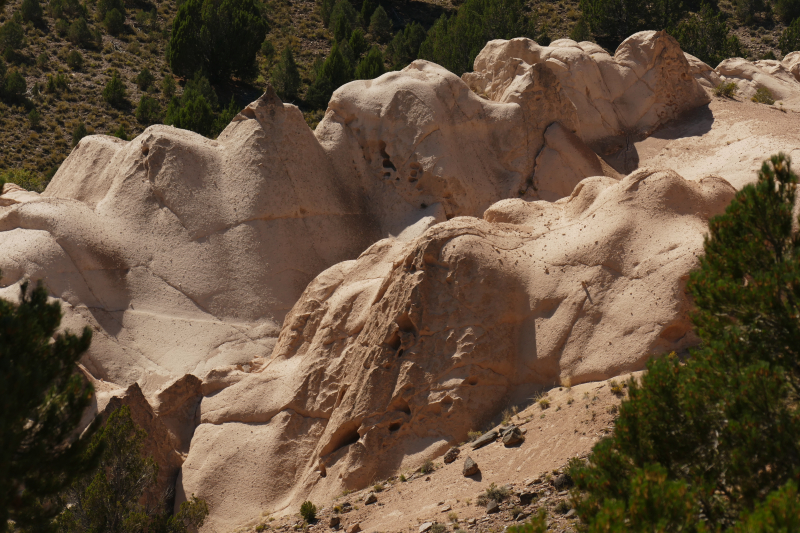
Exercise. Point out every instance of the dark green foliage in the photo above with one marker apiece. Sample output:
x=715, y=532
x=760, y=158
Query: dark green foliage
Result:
x=580, y=31
x=371, y=66
x=62, y=27
x=790, y=38
x=379, y=25
x=35, y=118
x=226, y=116
x=43, y=397
x=368, y=7
x=104, y=6
x=56, y=83
x=454, y=42
x=148, y=111
x=79, y=133
x=769, y=54
x=74, y=60
x=79, y=33
x=114, y=92
x=325, y=9
x=144, y=79
x=31, y=11
x=66, y=9
x=12, y=37
x=745, y=10
x=120, y=133
x=721, y=432
x=168, y=86
x=308, y=511
x=612, y=21
x=706, y=36
x=15, y=86
x=343, y=19
x=404, y=47
x=780, y=512
x=286, y=77
x=358, y=44
x=268, y=50
x=114, y=22
x=110, y=499
x=334, y=72
x=3, y=72
x=219, y=38
x=26, y=179
x=787, y=10
x=196, y=109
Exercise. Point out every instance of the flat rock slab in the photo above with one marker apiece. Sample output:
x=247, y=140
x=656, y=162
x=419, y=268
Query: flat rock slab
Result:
x=487, y=438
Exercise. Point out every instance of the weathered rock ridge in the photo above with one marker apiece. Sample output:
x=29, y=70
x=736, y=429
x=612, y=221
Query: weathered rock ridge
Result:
x=291, y=313
x=391, y=358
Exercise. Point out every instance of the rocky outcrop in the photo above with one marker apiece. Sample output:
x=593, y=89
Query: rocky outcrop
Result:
x=644, y=84
x=780, y=78
x=389, y=359
x=420, y=138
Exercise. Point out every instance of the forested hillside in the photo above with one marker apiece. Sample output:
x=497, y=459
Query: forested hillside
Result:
x=71, y=68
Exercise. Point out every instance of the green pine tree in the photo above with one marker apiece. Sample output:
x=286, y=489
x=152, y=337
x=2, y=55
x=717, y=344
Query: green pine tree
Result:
x=43, y=397
x=787, y=10
x=110, y=499
x=379, y=25
x=286, y=76
x=334, y=72
x=358, y=44
x=716, y=436
x=706, y=36
x=114, y=92
x=219, y=38
x=31, y=11
x=790, y=38
x=344, y=18
x=454, y=42
x=79, y=133
x=195, y=110
x=368, y=7
x=371, y=66
x=148, y=111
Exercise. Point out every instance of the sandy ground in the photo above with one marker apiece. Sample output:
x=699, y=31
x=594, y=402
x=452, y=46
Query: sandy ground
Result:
x=575, y=420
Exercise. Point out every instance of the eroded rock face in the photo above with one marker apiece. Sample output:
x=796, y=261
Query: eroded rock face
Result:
x=182, y=253
x=424, y=136
x=781, y=78
x=388, y=359
x=646, y=83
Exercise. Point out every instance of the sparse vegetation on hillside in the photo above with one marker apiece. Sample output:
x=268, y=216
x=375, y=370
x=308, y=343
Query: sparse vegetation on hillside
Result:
x=713, y=442
x=58, y=55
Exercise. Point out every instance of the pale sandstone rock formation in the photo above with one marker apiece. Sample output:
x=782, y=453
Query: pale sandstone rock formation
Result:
x=779, y=77
x=182, y=253
x=420, y=137
x=646, y=83
x=702, y=72
x=388, y=359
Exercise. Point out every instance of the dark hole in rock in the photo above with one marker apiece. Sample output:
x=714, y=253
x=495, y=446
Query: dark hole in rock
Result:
x=394, y=426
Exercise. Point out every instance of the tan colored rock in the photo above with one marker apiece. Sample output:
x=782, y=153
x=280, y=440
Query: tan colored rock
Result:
x=387, y=359
x=184, y=254
x=426, y=137
x=775, y=76
x=792, y=63
x=702, y=72
x=647, y=82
